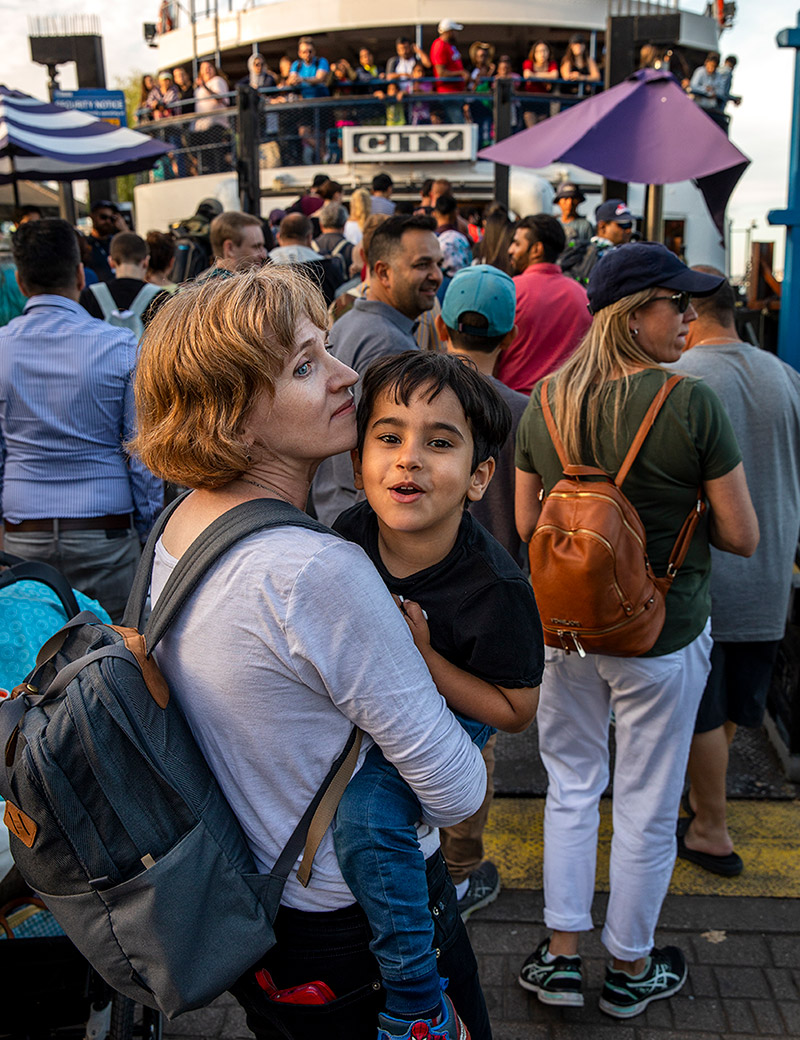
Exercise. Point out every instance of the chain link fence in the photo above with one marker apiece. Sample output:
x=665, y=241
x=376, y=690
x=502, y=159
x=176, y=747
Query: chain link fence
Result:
x=295, y=131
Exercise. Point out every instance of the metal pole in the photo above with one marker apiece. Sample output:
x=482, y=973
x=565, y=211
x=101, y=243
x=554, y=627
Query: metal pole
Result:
x=247, y=162
x=789, y=328
x=193, y=16
x=66, y=200
x=502, y=130
x=654, y=213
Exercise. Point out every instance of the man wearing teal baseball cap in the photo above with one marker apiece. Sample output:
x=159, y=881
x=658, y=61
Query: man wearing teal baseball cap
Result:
x=477, y=324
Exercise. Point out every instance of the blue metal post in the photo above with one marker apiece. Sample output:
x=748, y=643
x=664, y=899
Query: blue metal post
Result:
x=789, y=329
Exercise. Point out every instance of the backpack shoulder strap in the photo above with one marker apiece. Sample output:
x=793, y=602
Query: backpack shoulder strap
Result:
x=105, y=300
x=644, y=429
x=208, y=547
x=555, y=436
x=339, y=247
x=144, y=298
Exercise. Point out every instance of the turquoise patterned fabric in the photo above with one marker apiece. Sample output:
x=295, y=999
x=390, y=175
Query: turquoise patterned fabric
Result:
x=30, y=613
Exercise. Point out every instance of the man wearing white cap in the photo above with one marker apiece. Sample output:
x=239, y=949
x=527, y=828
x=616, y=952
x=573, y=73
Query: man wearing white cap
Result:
x=448, y=66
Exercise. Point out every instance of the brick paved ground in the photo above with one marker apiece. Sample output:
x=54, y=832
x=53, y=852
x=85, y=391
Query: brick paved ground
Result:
x=744, y=981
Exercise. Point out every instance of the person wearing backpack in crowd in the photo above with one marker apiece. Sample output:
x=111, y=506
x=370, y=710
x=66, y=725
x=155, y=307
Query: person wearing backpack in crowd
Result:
x=331, y=241
x=294, y=247
x=70, y=493
x=614, y=228
x=129, y=301
x=641, y=299
x=293, y=638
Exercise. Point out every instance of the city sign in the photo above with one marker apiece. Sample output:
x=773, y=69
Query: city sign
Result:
x=409, y=143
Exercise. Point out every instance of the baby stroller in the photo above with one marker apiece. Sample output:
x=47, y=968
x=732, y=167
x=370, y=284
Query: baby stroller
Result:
x=51, y=990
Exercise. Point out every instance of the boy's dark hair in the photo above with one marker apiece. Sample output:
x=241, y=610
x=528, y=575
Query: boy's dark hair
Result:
x=445, y=206
x=386, y=239
x=548, y=231
x=47, y=256
x=402, y=375
x=382, y=182
x=427, y=184
x=466, y=341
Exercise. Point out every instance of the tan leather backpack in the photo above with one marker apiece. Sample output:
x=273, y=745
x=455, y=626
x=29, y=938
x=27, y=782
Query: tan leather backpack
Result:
x=594, y=585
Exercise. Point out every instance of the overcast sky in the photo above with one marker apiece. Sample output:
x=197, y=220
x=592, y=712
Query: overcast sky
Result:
x=760, y=126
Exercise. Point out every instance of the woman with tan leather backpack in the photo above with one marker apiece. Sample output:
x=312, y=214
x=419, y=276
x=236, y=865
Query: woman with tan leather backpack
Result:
x=624, y=477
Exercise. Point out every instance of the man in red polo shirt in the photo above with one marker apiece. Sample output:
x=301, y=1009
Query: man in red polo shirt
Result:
x=552, y=310
x=448, y=66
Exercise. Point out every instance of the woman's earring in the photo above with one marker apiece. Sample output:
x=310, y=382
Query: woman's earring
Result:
x=634, y=333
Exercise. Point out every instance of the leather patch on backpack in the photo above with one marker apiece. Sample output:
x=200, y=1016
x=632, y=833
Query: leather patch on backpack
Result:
x=20, y=824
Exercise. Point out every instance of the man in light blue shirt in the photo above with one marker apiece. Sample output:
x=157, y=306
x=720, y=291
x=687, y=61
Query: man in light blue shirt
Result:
x=70, y=493
x=309, y=72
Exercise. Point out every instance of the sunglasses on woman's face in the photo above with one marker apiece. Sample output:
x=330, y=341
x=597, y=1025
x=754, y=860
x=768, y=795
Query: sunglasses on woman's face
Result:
x=682, y=301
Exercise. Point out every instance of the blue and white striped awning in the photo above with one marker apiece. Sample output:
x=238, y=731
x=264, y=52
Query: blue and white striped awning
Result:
x=40, y=141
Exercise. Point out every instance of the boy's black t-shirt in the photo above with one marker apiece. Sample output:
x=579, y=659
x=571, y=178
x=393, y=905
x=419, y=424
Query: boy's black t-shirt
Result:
x=481, y=609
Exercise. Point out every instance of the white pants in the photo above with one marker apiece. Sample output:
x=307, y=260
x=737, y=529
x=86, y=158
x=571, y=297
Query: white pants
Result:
x=655, y=701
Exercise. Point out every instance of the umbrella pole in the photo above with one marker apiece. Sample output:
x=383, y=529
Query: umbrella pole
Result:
x=654, y=213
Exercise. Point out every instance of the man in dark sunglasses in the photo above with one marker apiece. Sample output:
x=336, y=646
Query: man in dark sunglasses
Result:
x=106, y=222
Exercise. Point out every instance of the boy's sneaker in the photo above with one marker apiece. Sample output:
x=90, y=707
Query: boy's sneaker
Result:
x=625, y=995
x=483, y=888
x=449, y=1028
x=559, y=983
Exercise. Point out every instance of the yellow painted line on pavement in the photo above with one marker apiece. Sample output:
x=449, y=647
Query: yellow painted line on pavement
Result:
x=766, y=834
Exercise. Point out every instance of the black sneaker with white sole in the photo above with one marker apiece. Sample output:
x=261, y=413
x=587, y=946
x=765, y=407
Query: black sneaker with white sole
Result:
x=482, y=889
x=626, y=995
x=559, y=983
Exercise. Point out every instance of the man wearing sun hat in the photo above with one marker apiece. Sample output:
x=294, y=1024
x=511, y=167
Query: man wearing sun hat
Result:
x=576, y=228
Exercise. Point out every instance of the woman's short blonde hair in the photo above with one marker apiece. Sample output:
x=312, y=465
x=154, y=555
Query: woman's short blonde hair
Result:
x=206, y=357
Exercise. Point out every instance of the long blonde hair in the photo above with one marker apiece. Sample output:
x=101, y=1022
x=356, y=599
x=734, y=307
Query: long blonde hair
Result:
x=360, y=206
x=607, y=353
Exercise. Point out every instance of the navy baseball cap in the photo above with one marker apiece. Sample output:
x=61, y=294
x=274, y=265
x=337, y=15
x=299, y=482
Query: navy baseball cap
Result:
x=485, y=290
x=643, y=265
x=614, y=211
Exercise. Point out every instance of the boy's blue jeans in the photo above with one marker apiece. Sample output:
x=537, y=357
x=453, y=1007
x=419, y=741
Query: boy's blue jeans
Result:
x=381, y=861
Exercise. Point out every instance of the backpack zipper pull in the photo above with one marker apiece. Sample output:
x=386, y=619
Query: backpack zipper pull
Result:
x=578, y=647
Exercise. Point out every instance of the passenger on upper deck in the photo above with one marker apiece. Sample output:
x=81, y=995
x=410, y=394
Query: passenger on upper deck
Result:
x=577, y=63
x=402, y=65
x=309, y=72
x=448, y=66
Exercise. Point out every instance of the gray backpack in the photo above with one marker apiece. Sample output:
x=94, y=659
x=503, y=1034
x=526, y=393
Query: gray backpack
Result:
x=114, y=816
x=125, y=319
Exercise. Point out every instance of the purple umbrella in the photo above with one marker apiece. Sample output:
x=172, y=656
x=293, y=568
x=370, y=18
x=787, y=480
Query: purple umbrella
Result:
x=644, y=130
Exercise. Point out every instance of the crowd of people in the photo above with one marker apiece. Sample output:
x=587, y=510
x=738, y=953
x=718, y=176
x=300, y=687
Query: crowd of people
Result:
x=412, y=88
x=418, y=379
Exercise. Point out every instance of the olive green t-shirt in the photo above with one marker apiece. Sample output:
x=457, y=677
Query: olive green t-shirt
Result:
x=691, y=441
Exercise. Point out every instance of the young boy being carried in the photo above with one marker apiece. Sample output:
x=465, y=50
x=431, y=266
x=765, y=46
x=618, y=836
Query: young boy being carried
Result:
x=430, y=428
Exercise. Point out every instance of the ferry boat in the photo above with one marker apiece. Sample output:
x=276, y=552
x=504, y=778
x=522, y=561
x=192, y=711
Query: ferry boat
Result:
x=227, y=33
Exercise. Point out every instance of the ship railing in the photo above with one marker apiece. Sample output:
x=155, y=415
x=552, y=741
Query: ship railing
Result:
x=301, y=131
